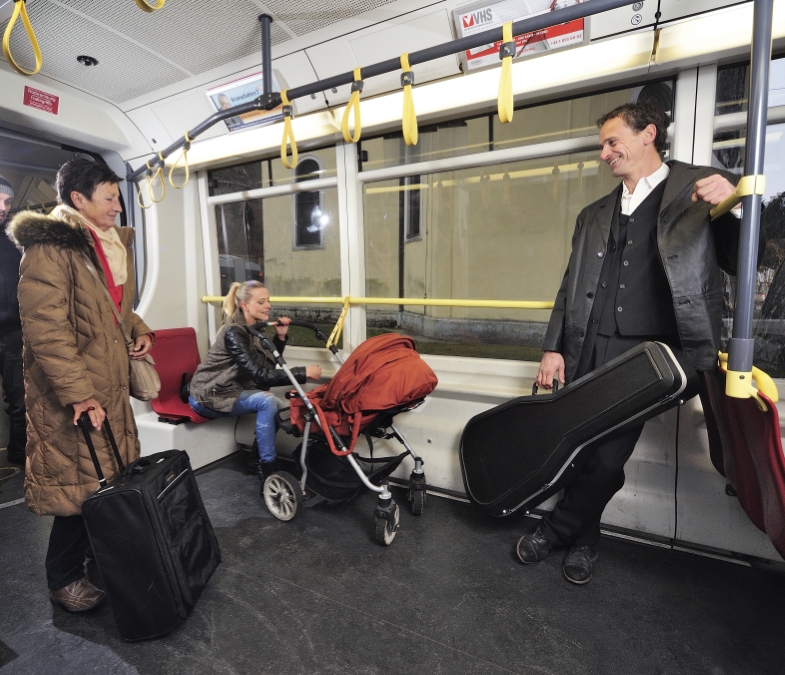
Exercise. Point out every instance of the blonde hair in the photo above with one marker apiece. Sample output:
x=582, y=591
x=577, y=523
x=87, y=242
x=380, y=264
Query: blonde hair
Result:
x=239, y=292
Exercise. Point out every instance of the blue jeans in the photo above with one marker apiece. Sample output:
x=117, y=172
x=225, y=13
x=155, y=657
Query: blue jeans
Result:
x=264, y=404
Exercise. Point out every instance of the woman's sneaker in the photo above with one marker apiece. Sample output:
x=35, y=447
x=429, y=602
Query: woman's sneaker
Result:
x=80, y=596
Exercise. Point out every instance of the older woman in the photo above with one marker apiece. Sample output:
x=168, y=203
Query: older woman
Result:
x=238, y=371
x=75, y=359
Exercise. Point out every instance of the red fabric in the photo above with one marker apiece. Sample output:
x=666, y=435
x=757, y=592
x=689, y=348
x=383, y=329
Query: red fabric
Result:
x=754, y=463
x=760, y=432
x=116, y=292
x=383, y=373
x=175, y=353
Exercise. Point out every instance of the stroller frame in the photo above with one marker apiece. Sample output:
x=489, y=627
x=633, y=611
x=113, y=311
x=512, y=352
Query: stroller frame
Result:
x=283, y=494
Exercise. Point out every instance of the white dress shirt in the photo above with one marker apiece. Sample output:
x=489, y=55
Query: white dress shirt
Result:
x=632, y=200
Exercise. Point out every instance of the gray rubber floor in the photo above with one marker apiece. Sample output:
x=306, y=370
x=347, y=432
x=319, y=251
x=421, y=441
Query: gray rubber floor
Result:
x=318, y=596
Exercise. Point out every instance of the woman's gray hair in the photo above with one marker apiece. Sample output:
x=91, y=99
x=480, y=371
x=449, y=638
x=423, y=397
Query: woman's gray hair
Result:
x=239, y=292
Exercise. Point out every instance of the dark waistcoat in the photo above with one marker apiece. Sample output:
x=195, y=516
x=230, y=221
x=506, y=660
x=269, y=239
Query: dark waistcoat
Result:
x=633, y=296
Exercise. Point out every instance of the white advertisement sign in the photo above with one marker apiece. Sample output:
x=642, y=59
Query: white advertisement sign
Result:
x=482, y=17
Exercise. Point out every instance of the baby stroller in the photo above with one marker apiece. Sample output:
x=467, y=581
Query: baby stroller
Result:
x=384, y=376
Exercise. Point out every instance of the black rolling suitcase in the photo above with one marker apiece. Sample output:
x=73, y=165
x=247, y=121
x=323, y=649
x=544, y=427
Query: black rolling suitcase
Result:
x=152, y=540
x=518, y=454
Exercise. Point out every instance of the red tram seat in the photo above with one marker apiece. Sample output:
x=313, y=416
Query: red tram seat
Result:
x=753, y=460
x=176, y=355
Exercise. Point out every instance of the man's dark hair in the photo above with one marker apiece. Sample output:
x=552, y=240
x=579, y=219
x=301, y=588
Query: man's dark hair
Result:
x=83, y=175
x=638, y=116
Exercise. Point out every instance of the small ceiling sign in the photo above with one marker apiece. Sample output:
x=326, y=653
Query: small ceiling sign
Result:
x=41, y=100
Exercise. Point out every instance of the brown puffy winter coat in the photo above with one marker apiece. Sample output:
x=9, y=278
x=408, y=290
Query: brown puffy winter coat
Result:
x=72, y=351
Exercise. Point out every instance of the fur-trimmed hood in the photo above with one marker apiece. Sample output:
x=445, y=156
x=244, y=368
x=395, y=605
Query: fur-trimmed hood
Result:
x=28, y=228
x=60, y=228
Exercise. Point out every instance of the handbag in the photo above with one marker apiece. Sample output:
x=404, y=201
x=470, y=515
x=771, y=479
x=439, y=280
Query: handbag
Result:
x=143, y=381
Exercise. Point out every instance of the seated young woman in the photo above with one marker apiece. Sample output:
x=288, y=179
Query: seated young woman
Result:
x=237, y=373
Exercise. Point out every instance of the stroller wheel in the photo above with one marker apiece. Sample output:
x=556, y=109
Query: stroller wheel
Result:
x=418, y=502
x=387, y=527
x=416, y=494
x=282, y=495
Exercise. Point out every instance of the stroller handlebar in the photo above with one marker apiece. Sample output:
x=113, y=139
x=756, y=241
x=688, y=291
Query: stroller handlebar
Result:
x=318, y=332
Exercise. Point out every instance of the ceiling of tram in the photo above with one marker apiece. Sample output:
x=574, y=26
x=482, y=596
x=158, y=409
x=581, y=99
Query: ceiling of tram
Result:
x=139, y=53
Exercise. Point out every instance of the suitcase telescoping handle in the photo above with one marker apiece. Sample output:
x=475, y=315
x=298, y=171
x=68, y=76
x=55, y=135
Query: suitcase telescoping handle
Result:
x=85, y=424
x=553, y=391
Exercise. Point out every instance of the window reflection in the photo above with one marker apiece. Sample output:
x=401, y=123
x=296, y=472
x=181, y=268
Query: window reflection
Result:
x=728, y=153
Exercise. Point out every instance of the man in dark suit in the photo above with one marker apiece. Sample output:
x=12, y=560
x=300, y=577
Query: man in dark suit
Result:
x=645, y=265
x=11, y=335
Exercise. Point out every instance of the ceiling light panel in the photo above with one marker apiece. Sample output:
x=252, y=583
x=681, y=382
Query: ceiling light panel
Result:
x=197, y=36
x=308, y=16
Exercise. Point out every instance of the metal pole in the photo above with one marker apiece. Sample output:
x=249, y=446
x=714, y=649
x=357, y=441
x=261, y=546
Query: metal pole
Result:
x=267, y=60
x=741, y=344
x=270, y=100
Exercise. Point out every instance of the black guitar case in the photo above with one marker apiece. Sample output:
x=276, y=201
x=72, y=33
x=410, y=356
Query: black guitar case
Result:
x=518, y=454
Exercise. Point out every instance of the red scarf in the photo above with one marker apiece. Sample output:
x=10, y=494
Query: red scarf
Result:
x=115, y=291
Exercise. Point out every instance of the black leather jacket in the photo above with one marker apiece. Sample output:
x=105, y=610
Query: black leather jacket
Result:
x=692, y=251
x=236, y=362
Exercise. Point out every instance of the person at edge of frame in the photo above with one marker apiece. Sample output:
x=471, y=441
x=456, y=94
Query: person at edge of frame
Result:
x=76, y=264
x=645, y=265
x=11, y=335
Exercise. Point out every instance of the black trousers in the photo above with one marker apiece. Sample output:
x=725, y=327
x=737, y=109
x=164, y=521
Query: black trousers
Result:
x=65, y=558
x=576, y=518
x=13, y=390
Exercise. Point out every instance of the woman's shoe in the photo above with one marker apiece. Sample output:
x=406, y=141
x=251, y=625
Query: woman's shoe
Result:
x=267, y=469
x=80, y=596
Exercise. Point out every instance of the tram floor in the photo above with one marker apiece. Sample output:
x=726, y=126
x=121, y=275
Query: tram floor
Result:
x=318, y=596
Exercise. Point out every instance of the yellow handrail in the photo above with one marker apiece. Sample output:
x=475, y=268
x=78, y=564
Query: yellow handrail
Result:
x=20, y=9
x=182, y=158
x=288, y=134
x=409, y=118
x=158, y=173
x=426, y=302
x=748, y=185
x=150, y=8
x=745, y=389
x=507, y=51
x=353, y=107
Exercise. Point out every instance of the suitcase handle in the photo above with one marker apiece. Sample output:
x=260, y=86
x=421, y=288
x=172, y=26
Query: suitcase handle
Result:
x=85, y=424
x=553, y=391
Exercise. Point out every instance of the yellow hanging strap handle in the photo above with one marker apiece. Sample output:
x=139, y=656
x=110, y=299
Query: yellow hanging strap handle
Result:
x=353, y=107
x=409, y=116
x=742, y=387
x=151, y=178
x=150, y=8
x=147, y=187
x=336, y=334
x=288, y=134
x=506, y=52
x=20, y=8
x=748, y=185
x=184, y=158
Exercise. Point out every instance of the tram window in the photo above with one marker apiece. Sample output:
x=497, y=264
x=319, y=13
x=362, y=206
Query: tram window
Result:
x=269, y=172
x=573, y=118
x=500, y=232
x=309, y=217
x=728, y=153
x=493, y=233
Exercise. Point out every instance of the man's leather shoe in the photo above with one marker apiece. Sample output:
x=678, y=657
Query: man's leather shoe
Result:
x=533, y=547
x=80, y=596
x=577, y=566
